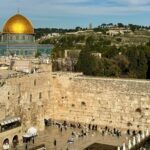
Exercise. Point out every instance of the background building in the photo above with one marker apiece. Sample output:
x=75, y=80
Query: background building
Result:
x=18, y=38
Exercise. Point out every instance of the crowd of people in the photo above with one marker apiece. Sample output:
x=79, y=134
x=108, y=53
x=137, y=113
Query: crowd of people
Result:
x=80, y=130
x=87, y=128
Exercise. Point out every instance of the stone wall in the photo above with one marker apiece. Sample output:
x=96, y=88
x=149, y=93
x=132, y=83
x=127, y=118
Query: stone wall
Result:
x=117, y=103
x=25, y=97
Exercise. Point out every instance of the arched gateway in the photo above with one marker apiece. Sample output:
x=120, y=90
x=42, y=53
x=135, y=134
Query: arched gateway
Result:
x=15, y=141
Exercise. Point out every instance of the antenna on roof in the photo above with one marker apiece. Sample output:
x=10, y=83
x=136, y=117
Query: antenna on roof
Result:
x=18, y=10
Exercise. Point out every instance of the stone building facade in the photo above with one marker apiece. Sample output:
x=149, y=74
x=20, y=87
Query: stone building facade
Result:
x=119, y=103
x=24, y=97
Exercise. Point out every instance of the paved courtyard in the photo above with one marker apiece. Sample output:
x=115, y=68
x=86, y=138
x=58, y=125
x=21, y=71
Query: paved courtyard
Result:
x=47, y=137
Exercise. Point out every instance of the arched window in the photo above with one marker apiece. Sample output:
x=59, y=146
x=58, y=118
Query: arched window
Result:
x=30, y=97
x=35, y=82
x=6, y=141
x=15, y=140
x=40, y=95
x=17, y=37
x=23, y=37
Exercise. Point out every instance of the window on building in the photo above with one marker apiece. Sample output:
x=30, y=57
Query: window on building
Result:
x=30, y=97
x=14, y=37
x=18, y=101
x=48, y=94
x=35, y=82
x=22, y=52
x=17, y=52
x=23, y=37
x=10, y=38
x=26, y=52
x=40, y=95
x=17, y=37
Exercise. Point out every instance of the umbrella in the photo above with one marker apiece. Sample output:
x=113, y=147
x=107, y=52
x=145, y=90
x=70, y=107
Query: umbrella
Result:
x=118, y=148
x=147, y=132
x=134, y=141
x=129, y=144
x=143, y=135
x=32, y=131
x=27, y=135
x=138, y=138
x=6, y=146
x=124, y=146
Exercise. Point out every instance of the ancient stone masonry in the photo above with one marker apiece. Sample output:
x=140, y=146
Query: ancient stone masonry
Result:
x=117, y=103
x=20, y=97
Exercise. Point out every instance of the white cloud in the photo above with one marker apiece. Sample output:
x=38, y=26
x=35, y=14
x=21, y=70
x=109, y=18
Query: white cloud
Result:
x=130, y=2
x=138, y=2
x=52, y=8
x=101, y=10
x=45, y=11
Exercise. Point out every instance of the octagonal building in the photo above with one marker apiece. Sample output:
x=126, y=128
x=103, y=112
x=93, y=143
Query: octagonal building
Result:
x=18, y=37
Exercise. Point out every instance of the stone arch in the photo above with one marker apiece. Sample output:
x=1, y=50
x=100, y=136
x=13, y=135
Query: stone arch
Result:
x=15, y=140
x=6, y=141
x=6, y=144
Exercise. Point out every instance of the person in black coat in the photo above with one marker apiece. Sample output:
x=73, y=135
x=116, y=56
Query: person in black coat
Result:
x=55, y=142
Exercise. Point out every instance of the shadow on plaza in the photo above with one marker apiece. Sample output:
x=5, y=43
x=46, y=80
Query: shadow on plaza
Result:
x=97, y=146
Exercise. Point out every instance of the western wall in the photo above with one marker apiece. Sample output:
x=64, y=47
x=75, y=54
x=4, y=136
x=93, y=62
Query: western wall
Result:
x=120, y=103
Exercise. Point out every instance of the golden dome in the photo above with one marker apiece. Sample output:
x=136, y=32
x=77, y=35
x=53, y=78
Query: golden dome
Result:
x=18, y=24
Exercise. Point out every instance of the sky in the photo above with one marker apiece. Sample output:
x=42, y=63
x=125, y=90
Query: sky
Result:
x=72, y=13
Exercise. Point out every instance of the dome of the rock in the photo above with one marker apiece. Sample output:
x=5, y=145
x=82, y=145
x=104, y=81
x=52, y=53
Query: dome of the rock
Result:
x=18, y=24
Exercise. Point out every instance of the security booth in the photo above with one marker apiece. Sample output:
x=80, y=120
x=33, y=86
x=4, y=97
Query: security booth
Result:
x=30, y=135
x=27, y=138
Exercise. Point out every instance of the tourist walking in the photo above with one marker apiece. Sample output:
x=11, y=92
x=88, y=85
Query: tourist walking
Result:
x=55, y=142
x=26, y=147
x=33, y=140
x=61, y=129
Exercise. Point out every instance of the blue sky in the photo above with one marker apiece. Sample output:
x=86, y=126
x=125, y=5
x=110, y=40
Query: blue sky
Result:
x=72, y=13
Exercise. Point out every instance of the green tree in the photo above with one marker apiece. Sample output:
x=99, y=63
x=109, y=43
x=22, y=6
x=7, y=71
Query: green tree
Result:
x=120, y=25
x=111, y=51
x=87, y=63
x=142, y=65
x=132, y=55
x=123, y=63
x=110, y=68
x=138, y=62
